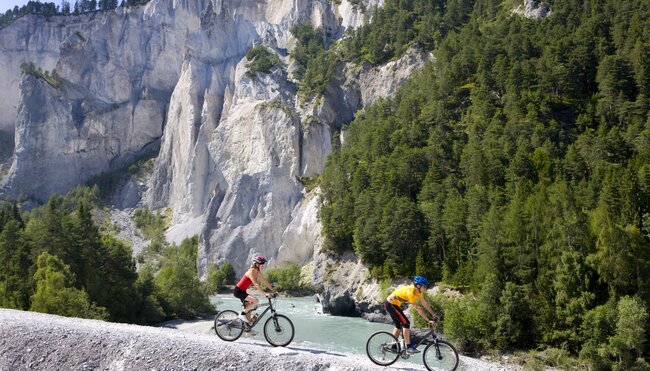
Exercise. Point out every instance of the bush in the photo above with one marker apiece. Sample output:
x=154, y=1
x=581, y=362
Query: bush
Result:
x=181, y=292
x=511, y=320
x=285, y=279
x=385, y=287
x=462, y=324
x=261, y=59
x=151, y=224
x=52, y=78
x=437, y=304
x=628, y=343
x=615, y=334
x=555, y=357
x=56, y=294
x=218, y=277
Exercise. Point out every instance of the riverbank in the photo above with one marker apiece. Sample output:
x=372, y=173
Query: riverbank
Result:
x=30, y=340
x=39, y=341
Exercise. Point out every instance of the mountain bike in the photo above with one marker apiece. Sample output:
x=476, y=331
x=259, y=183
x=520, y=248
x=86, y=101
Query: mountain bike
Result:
x=385, y=349
x=278, y=329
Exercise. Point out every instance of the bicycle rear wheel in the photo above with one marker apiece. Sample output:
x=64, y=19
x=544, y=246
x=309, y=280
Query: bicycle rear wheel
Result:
x=227, y=326
x=383, y=348
x=278, y=330
x=440, y=355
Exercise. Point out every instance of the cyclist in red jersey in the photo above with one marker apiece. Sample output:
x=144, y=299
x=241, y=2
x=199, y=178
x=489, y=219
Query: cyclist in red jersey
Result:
x=252, y=277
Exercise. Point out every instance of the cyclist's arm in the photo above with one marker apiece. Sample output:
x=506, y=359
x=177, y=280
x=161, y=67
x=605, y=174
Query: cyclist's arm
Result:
x=420, y=311
x=254, y=280
x=263, y=281
x=426, y=305
x=266, y=283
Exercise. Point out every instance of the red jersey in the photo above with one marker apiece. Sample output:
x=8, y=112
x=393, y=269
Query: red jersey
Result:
x=244, y=283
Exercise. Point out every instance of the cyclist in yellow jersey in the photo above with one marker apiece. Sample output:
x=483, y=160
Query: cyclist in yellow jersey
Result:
x=411, y=294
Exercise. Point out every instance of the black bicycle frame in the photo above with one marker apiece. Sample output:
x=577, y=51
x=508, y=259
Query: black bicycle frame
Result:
x=269, y=306
x=431, y=333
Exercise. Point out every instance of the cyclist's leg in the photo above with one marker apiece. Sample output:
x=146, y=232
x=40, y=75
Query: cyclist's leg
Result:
x=241, y=295
x=390, y=309
x=406, y=332
x=405, y=325
x=250, y=303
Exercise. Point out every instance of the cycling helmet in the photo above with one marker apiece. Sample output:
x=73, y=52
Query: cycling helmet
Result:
x=259, y=260
x=419, y=280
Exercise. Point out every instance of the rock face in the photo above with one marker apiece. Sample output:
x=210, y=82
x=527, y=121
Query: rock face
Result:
x=234, y=149
x=29, y=39
x=534, y=9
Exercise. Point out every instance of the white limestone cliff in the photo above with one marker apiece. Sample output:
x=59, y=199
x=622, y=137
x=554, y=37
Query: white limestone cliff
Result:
x=172, y=74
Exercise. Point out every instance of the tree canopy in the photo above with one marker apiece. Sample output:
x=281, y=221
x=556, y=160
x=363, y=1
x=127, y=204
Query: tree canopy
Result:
x=522, y=154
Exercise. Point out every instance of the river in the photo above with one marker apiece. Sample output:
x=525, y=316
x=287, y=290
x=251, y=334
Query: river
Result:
x=315, y=329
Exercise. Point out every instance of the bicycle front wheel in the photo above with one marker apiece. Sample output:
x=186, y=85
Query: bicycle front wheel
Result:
x=383, y=348
x=278, y=330
x=227, y=326
x=440, y=355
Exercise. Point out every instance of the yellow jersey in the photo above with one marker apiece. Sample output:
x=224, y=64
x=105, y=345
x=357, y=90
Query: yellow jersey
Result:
x=404, y=294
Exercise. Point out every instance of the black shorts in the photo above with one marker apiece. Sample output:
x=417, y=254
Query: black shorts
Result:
x=240, y=294
x=399, y=318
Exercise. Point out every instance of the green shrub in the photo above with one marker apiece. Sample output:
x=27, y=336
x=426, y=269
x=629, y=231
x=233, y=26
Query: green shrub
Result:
x=558, y=358
x=51, y=78
x=309, y=183
x=315, y=65
x=151, y=224
x=261, y=59
x=218, y=277
x=385, y=287
x=628, y=343
x=437, y=304
x=181, y=292
x=56, y=294
x=463, y=323
x=285, y=279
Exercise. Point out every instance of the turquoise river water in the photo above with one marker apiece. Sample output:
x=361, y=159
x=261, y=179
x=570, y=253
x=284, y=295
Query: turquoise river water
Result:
x=313, y=328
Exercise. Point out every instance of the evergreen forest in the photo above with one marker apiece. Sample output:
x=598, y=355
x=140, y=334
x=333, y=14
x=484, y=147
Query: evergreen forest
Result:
x=514, y=167
x=56, y=259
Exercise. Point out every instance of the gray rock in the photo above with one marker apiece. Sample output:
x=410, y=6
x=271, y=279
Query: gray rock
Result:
x=534, y=9
x=233, y=148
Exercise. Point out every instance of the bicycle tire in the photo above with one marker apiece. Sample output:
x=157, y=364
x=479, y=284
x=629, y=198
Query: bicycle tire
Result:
x=227, y=326
x=446, y=359
x=279, y=330
x=379, y=348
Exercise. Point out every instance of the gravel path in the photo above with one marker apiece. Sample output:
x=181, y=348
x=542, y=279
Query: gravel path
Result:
x=37, y=341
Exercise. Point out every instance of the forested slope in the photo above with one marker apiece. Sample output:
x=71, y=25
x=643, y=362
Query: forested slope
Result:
x=517, y=165
x=56, y=259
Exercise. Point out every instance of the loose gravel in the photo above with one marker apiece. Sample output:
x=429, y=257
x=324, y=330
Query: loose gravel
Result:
x=36, y=341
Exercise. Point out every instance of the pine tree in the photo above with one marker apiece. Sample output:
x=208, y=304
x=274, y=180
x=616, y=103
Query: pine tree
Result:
x=55, y=292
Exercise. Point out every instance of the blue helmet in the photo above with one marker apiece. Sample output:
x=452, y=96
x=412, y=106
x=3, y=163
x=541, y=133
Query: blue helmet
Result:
x=419, y=280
